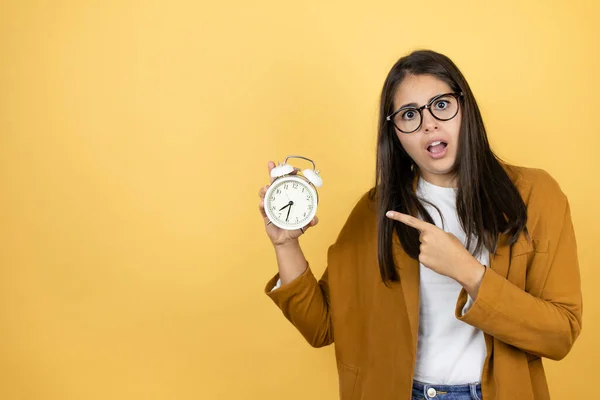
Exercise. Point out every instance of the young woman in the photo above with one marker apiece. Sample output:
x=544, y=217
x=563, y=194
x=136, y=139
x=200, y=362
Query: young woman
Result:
x=455, y=274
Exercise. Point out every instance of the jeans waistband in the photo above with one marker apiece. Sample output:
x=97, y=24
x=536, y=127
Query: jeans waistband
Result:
x=466, y=387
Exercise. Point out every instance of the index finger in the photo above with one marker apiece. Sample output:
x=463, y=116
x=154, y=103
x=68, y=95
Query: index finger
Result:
x=408, y=220
x=271, y=165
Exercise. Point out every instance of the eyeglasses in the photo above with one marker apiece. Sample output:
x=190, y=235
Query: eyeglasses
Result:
x=442, y=107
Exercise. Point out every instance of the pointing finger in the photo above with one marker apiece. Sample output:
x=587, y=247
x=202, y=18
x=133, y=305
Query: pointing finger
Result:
x=408, y=220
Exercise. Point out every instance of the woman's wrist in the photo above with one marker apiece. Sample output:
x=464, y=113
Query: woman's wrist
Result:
x=470, y=277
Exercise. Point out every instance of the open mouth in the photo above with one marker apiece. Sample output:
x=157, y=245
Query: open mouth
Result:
x=436, y=148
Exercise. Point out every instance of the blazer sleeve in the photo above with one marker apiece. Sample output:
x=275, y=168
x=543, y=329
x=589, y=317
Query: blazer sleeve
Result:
x=546, y=326
x=305, y=303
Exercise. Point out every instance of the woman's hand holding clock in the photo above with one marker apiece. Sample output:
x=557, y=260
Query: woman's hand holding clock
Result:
x=278, y=236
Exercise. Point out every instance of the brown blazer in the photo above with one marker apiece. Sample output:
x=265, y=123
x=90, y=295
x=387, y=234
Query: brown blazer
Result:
x=529, y=304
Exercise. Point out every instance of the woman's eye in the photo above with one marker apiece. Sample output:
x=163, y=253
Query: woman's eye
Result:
x=409, y=114
x=441, y=105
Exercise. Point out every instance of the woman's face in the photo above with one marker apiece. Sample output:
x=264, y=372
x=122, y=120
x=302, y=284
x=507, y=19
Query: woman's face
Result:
x=434, y=161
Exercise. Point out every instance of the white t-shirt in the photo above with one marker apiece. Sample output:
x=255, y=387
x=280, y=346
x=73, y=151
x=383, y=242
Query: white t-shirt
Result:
x=449, y=351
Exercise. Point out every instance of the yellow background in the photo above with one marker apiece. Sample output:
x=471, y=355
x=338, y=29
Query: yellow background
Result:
x=134, y=136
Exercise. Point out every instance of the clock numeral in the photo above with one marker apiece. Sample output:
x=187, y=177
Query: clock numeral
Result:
x=308, y=197
x=295, y=185
x=279, y=215
x=286, y=186
x=273, y=208
x=302, y=190
x=296, y=219
x=272, y=198
x=304, y=214
x=310, y=206
x=278, y=191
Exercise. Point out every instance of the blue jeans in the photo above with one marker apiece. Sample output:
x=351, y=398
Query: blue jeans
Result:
x=425, y=391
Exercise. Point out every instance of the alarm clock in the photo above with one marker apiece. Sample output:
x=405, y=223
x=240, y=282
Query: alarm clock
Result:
x=291, y=200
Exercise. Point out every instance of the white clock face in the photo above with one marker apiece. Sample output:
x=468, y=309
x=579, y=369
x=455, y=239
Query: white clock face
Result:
x=291, y=202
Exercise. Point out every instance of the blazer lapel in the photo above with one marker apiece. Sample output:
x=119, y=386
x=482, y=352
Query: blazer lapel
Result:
x=409, y=277
x=500, y=261
x=409, y=280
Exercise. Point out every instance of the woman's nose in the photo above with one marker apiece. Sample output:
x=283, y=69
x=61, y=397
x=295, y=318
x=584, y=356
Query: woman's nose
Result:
x=429, y=123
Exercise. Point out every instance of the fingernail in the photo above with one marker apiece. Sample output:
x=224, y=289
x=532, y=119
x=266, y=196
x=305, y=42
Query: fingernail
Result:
x=389, y=214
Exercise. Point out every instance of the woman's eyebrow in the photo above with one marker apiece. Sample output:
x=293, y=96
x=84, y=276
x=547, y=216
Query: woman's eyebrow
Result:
x=415, y=105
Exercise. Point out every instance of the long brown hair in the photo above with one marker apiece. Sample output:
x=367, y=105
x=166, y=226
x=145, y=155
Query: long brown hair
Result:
x=488, y=203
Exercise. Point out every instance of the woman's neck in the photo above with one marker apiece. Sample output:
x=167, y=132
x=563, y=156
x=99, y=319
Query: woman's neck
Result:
x=442, y=180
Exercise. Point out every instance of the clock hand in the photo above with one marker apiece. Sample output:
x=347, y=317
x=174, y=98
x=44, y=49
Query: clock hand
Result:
x=287, y=205
x=289, y=209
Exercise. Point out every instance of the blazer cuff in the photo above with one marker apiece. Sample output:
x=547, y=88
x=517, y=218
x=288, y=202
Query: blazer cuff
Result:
x=276, y=292
x=471, y=312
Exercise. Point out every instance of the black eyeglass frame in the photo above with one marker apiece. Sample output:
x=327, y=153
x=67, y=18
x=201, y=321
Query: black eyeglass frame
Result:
x=419, y=110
